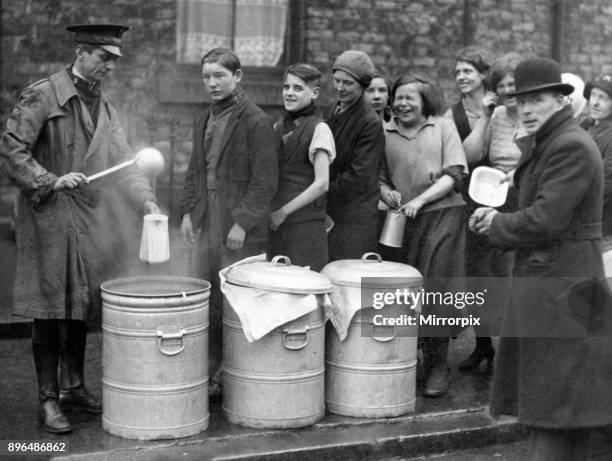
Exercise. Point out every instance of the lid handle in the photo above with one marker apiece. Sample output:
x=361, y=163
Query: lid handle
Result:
x=364, y=258
x=278, y=258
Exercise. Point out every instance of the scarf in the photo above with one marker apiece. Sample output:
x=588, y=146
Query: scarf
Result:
x=289, y=120
x=224, y=104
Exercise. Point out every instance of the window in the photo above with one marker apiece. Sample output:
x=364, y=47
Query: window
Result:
x=259, y=31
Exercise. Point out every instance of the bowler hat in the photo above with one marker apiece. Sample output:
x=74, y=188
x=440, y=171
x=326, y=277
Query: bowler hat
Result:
x=603, y=82
x=106, y=36
x=539, y=74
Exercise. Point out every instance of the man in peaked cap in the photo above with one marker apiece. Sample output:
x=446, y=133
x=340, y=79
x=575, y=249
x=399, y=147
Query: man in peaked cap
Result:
x=71, y=235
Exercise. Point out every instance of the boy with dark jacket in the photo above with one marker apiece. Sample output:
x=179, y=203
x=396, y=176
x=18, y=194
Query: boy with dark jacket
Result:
x=231, y=179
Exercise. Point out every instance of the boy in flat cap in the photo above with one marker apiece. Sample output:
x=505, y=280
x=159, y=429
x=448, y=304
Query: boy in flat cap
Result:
x=231, y=180
x=62, y=130
x=352, y=200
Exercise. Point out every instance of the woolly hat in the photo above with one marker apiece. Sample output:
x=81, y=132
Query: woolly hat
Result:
x=357, y=64
x=603, y=82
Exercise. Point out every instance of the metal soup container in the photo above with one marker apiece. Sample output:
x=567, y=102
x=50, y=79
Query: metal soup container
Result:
x=372, y=373
x=392, y=234
x=277, y=381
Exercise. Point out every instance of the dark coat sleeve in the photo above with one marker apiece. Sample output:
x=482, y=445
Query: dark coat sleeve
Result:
x=23, y=128
x=561, y=184
x=263, y=144
x=368, y=151
x=190, y=194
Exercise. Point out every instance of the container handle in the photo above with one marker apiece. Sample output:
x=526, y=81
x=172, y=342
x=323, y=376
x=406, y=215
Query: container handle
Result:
x=385, y=339
x=177, y=335
x=364, y=258
x=297, y=332
x=276, y=259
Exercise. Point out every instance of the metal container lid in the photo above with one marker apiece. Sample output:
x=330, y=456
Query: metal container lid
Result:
x=377, y=273
x=279, y=275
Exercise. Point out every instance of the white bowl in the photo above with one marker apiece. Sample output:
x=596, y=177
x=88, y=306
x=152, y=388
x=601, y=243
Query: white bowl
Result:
x=487, y=188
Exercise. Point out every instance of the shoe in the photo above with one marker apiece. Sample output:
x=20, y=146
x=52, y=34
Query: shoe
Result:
x=476, y=358
x=437, y=382
x=51, y=417
x=79, y=399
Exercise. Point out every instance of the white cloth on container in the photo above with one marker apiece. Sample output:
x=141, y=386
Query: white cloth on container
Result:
x=345, y=302
x=261, y=311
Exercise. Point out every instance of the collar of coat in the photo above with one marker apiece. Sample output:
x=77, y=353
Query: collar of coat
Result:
x=553, y=123
x=357, y=105
x=64, y=88
x=542, y=137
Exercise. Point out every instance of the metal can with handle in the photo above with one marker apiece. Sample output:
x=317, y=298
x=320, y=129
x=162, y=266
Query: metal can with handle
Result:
x=392, y=234
x=372, y=372
x=278, y=380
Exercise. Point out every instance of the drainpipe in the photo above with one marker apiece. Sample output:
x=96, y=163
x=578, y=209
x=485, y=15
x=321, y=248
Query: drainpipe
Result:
x=467, y=23
x=558, y=17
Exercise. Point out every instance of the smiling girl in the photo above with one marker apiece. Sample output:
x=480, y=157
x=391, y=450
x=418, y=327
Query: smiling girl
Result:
x=423, y=169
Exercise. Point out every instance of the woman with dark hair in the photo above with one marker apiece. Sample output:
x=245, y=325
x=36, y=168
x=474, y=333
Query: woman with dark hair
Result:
x=492, y=140
x=423, y=169
x=471, y=70
x=377, y=94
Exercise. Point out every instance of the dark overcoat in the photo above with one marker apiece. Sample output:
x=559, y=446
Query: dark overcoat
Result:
x=352, y=198
x=554, y=363
x=246, y=175
x=69, y=241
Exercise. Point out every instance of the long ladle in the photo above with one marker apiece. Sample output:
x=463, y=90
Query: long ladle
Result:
x=148, y=159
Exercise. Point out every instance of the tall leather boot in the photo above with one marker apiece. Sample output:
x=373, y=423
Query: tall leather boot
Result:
x=45, y=349
x=73, y=394
x=435, y=357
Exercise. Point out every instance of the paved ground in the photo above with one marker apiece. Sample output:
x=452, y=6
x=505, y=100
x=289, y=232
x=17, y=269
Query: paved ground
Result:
x=18, y=407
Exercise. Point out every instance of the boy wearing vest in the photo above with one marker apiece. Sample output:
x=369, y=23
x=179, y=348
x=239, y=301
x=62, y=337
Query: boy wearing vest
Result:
x=307, y=149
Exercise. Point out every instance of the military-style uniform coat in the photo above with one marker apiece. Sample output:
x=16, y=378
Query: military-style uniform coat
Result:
x=554, y=363
x=68, y=241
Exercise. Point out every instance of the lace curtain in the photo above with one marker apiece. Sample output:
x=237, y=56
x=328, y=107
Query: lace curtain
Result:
x=255, y=29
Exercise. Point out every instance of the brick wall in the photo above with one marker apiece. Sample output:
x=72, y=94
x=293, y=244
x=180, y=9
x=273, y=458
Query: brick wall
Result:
x=403, y=35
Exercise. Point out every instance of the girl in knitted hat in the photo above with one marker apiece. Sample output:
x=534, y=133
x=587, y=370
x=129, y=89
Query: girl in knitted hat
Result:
x=360, y=143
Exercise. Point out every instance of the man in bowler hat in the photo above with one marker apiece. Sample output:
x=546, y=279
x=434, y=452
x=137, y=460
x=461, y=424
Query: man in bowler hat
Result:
x=70, y=234
x=554, y=365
